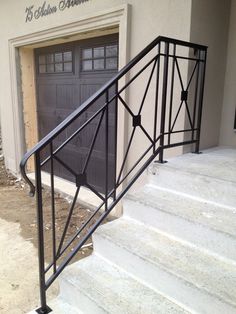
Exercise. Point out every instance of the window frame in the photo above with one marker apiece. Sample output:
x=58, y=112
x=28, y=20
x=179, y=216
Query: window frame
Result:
x=104, y=57
x=62, y=51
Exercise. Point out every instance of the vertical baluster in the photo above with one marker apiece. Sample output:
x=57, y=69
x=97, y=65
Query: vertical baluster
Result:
x=196, y=94
x=171, y=93
x=53, y=210
x=156, y=99
x=39, y=203
x=202, y=83
x=163, y=105
x=106, y=149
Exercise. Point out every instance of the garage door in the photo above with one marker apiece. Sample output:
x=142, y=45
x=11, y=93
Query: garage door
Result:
x=67, y=75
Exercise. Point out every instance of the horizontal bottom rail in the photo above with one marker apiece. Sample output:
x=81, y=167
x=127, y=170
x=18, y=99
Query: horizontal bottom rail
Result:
x=179, y=144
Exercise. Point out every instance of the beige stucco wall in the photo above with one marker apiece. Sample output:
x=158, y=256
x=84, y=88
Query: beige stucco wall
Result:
x=209, y=26
x=227, y=134
x=148, y=19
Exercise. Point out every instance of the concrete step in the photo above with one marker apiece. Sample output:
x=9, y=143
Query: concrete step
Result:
x=94, y=285
x=193, y=279
x=216, y=162
x=208, y=227
x=210, y=176
x=215, y=217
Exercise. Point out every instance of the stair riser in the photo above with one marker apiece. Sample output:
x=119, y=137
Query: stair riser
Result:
x=174, y=226
x=77, y=299
x=199, y=186
x=156, y=277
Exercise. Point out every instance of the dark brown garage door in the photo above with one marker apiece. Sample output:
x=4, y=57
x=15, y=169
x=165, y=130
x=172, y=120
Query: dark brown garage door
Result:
x=67, y=75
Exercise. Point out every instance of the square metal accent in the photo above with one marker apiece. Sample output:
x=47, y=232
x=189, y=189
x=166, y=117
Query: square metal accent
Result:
x=184, y=95
x=136, y=120
x=81, y=179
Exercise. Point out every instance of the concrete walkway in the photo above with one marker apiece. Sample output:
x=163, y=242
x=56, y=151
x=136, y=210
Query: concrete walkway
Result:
x=18, y=270
x=19, y=290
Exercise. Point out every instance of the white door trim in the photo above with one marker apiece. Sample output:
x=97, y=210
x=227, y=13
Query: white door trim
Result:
x=117, y=16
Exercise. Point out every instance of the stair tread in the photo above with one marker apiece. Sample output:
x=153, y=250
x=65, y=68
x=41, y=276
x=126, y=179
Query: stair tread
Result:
x=219, y=218
x=184, y=261
x=114, y=290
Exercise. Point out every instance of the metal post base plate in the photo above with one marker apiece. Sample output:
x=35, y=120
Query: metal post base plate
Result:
x=198, y=153
x=160, y=162
x=44, y=310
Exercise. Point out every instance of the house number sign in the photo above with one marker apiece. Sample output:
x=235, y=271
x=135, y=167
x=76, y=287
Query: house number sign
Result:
x=34, y=13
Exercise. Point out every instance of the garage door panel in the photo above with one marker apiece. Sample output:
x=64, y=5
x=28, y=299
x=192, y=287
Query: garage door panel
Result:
x=111, y=140
x=77, y=140
x=46, y=123
x=47, y=96
x=84, y=138
x=65, y=96
x=87, y=91
x=60, y=93
x=96, y=174
x=73, y=160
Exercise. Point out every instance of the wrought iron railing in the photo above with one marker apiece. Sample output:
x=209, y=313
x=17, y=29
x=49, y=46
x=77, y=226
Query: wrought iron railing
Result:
x=158, y=97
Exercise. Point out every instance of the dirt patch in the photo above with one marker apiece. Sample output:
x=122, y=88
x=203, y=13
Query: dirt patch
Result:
x=17, y=206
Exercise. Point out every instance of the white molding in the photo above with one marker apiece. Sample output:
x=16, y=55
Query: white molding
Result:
x=102, y=19
x=116, y=16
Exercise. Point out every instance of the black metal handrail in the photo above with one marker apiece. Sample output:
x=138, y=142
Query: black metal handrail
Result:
x=162, y=57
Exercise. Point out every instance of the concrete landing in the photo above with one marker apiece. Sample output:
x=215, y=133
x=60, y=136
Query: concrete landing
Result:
x=218, y=163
